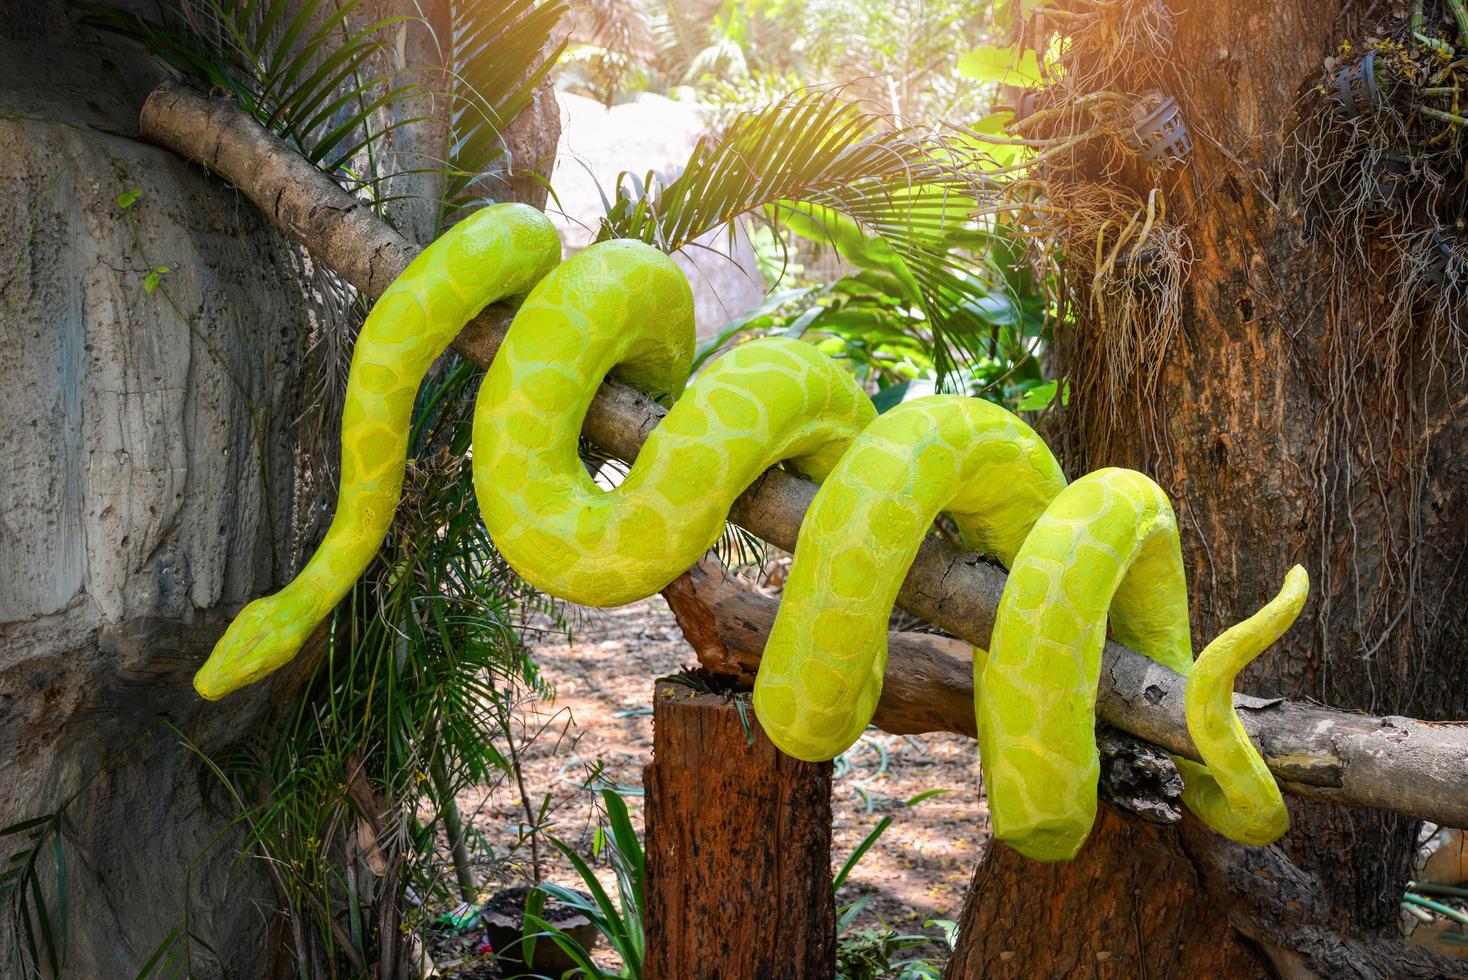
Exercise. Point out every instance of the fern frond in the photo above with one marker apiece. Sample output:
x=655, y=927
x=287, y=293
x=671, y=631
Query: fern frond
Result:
x=296, y=65
x=500, y=53
x=817, y=157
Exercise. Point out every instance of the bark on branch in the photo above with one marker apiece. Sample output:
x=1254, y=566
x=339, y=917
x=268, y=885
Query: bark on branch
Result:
x=1413, y=767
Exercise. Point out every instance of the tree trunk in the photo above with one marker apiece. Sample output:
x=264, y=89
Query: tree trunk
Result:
x=1131, y=892
x=738, y=848
x=1292, y=419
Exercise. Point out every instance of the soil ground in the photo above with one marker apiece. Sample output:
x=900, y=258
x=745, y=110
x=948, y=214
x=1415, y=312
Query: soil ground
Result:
x=601, y=721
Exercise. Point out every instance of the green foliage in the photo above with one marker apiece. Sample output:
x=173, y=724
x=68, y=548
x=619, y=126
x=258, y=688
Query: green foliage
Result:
x=296, y=65
x=929, y=296
x=868, y=953
x=34, y=891
x=723, y=101
x=625, y=46
x=38, y=920
x=410, y=706
x=742, y=53
x=900, y=54
x=620, y=922
x=1008, y=65
x=893, y=200
x=1041, y=396
x=613, y=49
x=874, y=835
x=498, y=52
x=872, y=317
x=303, y=69
x=154, y=278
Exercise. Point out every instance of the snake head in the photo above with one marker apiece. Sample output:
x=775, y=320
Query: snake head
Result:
x=260, y=640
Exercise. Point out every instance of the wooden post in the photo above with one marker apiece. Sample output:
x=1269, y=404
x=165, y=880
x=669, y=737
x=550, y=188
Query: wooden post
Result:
x=738, y=848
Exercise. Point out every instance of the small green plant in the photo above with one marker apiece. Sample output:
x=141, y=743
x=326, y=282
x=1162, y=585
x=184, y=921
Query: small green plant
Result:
x=620, y=922
x=38, y=923
x=872, y=837
x=867, y=953
x=154, y=277
x=34, y=894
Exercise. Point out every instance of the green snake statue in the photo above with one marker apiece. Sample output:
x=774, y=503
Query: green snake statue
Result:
x=1102, y=550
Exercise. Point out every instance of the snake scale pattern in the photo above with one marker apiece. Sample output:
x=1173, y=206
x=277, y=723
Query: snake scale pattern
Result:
x=1102, y=551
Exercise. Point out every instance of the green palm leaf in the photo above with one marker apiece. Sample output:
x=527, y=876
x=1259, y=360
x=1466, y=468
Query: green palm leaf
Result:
x=817, y=158
x=499, y=55
x=296, y=65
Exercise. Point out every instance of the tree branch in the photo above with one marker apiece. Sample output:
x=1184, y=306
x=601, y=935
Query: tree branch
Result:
x=1413, y=767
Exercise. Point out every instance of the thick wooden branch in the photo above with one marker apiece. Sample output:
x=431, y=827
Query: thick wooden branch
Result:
x=1413, y=767
x=929, y=685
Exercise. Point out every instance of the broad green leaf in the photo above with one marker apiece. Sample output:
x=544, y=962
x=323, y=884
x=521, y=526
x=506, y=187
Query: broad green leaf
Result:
x=1004, y=65
x=996, y=309
x=891, y=396
x=1040, y=396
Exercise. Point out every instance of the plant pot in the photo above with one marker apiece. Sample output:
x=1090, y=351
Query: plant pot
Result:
x=1353, y=88
x=503, y=919
x=1392, y=180
x=1027, y=103
x=1160, y=136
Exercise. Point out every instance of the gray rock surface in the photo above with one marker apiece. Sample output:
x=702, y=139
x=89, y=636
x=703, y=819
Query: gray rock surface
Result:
x=150, y=487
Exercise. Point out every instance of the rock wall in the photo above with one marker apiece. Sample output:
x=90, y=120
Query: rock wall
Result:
x=150, y=487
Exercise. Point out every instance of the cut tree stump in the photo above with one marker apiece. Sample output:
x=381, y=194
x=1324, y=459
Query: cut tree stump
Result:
x=738, y=848
x=1127, y=906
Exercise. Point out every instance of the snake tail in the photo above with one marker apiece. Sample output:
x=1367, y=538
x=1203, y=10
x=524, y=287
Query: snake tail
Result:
x=1235, y=792
x=1101, y=552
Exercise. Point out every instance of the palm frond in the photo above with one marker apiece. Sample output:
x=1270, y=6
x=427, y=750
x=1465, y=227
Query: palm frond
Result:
x=612, y=49
x=817, y=154
x=618, y=26
x=296, y=65
x=500, y=52
x=680, y=30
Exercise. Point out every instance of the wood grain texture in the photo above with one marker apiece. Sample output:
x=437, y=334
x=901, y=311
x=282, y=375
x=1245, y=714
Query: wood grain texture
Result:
x=738, y=849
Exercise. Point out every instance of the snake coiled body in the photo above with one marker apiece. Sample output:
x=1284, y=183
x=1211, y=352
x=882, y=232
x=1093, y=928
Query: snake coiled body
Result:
x=1102, y=550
